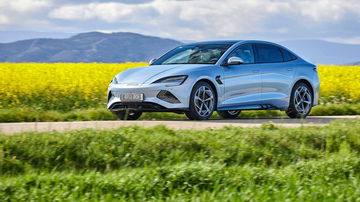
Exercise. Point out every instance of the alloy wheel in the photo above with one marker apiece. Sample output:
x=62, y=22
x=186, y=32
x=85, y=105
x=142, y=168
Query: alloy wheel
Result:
x=204, y=101
x=302, y=100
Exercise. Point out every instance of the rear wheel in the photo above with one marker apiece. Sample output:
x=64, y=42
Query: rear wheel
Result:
x=229, y=114
x=128, y=114
x=301, y=101
x=202, y=102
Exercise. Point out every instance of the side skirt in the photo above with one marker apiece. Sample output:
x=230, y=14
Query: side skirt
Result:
x=249, y=107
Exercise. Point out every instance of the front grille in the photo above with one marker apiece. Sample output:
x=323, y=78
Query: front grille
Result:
x=115, y=94
x=142, y=106
x=167, y=97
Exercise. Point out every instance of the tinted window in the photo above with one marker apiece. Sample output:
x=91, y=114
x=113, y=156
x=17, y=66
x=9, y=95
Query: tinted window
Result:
x=293, y=57
x=287, y=55
x=268, y=53
x=245, y=52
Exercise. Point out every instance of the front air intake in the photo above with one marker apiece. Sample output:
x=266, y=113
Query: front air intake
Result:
x=167, y=97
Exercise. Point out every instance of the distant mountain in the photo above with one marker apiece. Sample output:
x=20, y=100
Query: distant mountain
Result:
x=87, y=47
x=354, y=63
x=126, y=46
x=323, y=52
x=11, y=36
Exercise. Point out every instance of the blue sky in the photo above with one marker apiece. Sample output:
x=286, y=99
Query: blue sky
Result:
x=333, y=20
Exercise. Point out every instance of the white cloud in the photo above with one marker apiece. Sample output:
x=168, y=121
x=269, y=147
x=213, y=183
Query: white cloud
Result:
x=323, y=10
x=192, y=19
x=212, y=18
x=24, y=5
x=4, y=19
x=348, y=40
x=14, y=12
x=110, y=12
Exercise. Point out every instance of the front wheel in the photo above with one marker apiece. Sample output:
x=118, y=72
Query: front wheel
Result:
x=128, y=115
x=202, y=102
x=229, y=114
x=301, y=101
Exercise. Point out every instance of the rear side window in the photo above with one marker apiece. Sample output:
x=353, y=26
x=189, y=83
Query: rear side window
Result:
x=268, y=53
x=287, y=55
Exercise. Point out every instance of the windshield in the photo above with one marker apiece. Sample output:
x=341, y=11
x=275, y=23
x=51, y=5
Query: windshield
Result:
x=193, y=54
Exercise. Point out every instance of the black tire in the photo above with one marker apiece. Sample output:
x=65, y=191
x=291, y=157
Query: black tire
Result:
x=229, y=114
x=193, y=113
x=131, y=115
x=295, y=112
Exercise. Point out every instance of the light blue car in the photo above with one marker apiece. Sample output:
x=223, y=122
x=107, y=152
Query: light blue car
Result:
x=224, y=76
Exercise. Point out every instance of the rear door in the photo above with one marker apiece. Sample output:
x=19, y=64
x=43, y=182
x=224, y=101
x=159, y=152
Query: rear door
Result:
x=242, y=82
x=276, y=74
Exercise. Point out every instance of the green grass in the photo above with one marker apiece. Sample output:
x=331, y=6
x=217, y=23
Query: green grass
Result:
x=230, y=164
x=35, y=115
x=324, y=180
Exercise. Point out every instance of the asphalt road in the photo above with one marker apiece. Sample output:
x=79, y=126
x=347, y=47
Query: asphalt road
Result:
x=12, y=128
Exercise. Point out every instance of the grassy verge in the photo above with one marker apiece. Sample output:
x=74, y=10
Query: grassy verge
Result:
x=132, y=163
x=31, y=114
x=334, y=179
x=138, y=147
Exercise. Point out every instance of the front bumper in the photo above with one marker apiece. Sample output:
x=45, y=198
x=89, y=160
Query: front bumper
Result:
x=151, y=101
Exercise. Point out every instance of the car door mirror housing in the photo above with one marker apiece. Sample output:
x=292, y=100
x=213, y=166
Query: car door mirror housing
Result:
x=234, y=61
x=152, y=61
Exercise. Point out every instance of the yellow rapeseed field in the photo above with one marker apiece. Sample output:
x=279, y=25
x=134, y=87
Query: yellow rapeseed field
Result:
x=66, y=86
x=339, y=83
x=61, y=86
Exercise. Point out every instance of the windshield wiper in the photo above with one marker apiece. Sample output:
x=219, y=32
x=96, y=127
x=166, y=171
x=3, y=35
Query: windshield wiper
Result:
x=204, y=63
x=174, y=63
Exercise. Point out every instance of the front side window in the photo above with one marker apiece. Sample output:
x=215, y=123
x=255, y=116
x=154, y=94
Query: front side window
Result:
x=245, y=52
x=268, y=53
x=193, y=54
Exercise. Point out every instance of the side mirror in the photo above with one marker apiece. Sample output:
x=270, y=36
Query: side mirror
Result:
x=235, y=61
x=152, y=61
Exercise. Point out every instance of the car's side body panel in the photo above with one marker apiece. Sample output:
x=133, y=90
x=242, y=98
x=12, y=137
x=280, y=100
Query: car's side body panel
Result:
x=276, y=81
x=242, y=85
x=308, y=72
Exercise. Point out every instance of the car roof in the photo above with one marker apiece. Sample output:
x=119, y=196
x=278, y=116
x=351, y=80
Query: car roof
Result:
x=231, y=42
x=216, y=42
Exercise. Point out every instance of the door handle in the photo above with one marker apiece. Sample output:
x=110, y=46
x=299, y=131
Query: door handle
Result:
x=289, y=69
x=255, y=71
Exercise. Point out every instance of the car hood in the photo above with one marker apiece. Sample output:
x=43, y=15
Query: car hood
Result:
x=148, y=74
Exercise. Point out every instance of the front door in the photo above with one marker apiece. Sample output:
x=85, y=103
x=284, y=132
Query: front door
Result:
x=242, y=82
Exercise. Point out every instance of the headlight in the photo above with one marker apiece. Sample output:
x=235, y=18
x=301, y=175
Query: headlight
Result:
x=173, y=80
